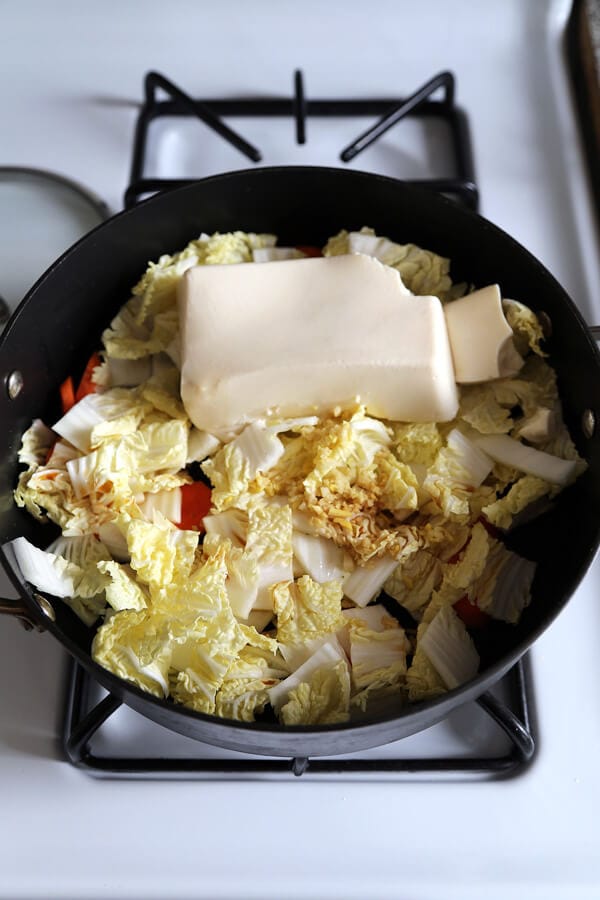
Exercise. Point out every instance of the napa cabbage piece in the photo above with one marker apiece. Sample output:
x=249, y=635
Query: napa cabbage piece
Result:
x=244, y=692
x=317, y=557
x=167, y=503
x=307, y=610
x=201, y=665
x=378, y=661
x=460, y=467
x=459, y=575
x=123, y=591
x=113, y=450
x=365, y=582
x=257, y=544
x=413, y=581
x=449, y=648
x=123, y=405
x=520, y=456
x=324, y=699
x=233, y=468
x=183, y=643
x=341, y=474
x=79, y=584
x=503, y=589
x=243, y=573
x=135, y=647
x=527, y=329
x=522, y=495
x=269, y=542
x=422, y=271
x=36, y=444
x=326, y=655
x=201, y=444
x=417, y=443
x=272, y=254
x=159, y=552
x=162, y=391
x=423, y=681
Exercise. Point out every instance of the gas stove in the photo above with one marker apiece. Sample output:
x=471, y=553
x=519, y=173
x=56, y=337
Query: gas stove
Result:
x=474, y=102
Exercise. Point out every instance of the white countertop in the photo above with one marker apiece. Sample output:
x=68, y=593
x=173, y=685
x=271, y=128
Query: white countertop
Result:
x=67, y=69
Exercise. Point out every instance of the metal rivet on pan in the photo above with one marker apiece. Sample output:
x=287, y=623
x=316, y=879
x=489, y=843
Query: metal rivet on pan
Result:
x=546, y=323
x=14, y=384
x=45, y=606
x=588, y=423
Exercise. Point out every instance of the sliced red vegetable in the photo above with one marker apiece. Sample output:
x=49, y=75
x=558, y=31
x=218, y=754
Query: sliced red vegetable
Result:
x=195, y=504
x=86, y=385
x=67, y=394
x=472, y=616
x=309, y=251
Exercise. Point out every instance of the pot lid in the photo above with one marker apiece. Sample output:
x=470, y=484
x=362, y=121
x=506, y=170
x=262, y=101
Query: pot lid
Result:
x=41, y=215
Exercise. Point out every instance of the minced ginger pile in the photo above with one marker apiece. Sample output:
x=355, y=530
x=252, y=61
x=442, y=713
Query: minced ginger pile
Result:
x=279, y=604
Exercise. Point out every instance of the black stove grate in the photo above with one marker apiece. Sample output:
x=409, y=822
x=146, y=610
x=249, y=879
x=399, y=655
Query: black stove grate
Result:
x=387, y=112
x=513, y=714
x=83, y=721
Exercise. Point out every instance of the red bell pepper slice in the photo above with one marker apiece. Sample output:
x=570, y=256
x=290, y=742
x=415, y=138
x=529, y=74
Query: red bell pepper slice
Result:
x=86, y=385
x=309, y=251
x=195, y=504
x=67, y=394
x=471, y=615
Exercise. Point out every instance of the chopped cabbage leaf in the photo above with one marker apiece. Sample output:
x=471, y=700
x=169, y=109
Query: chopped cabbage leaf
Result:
x=503, y=590
x=479, y=407
x=413, y=581
x=378, y=660
x=135, y=646
x=457, y=576
x=511, y=452
x=417, y=443
x=328, y=654
x=527, y=330
x=200, y=445
x=318, y=557
x=449, y=648
x=244, y=691
x=271, y=254
x=269, y=542
x=81, y=587
x=365, y=582
x=232, y=469
x=423, y=681
x=159, y=551
x=459, y=467
x=376, y=617
x=123, y=591
x=422, y=271
x=341, y=474
x=306, y=609
x=36, y=444
x=323, y=699
x=167, y=503
x=188, y=635
x=521, y=496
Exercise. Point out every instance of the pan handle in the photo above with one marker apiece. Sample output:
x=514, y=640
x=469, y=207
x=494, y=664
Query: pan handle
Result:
x=18, y=609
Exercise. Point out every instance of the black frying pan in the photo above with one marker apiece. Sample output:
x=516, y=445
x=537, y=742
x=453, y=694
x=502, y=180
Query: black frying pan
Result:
x=59, y=322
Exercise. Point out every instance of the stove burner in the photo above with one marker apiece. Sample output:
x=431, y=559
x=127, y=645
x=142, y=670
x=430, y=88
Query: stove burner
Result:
x=390, y=112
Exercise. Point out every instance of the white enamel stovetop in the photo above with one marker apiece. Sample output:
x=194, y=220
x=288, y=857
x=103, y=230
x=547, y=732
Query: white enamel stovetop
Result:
x=66, y=69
